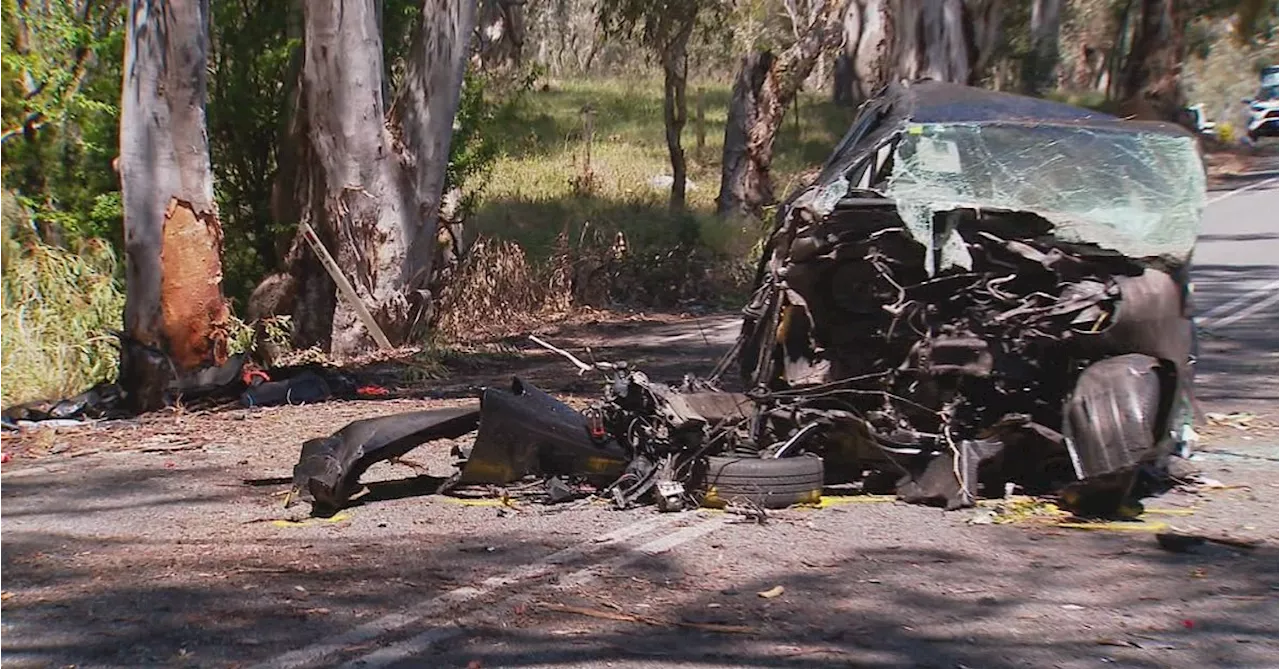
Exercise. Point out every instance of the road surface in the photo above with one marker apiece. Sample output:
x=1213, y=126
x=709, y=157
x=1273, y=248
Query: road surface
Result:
x=1237, y=282
x=162, y=542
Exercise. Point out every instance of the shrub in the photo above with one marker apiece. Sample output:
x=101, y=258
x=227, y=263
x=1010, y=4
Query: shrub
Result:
x=60, y=310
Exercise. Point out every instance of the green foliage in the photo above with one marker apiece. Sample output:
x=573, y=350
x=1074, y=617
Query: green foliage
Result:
x=59, y=311
x=60, y=95
x=658, y=23
x=254, y=57
x=670, y=257
x=486, y=101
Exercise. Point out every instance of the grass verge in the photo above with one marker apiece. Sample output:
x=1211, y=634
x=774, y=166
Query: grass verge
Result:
x=59, y=312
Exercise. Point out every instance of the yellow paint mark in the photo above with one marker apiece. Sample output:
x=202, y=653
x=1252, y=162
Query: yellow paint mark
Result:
x=336, y=518
x=1170, y=512
x=827, y=501
x=1118, y=526
x=481, y=501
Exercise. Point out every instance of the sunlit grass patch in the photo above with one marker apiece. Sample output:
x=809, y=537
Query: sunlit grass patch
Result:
x=60, y=310
x=530, y=196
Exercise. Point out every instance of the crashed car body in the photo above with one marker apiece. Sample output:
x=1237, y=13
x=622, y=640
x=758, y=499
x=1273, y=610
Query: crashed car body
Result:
x=982, y=288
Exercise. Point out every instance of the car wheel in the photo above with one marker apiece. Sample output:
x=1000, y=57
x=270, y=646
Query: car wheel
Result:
x=770, y=483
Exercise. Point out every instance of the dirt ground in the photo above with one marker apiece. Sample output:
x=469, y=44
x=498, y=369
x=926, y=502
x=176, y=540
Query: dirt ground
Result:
x=164, y=541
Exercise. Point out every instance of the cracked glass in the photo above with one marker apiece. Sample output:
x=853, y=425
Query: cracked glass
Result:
x=1138, y=193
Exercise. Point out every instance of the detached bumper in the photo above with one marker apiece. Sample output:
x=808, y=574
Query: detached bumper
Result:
x=329, y=469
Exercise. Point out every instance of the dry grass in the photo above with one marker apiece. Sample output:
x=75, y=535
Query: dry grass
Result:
x=59, y=311
x=496, y=291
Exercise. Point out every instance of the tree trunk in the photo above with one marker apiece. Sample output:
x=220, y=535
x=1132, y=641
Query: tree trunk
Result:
x=1041, y=62
x=743, y=187
x=1151, y=80
x=765, y=86
x=371, y=187
x=422, y=120
x=675, y=110
x=987, y=20
x=887, y=40
x=502, y=32
x=175, y=317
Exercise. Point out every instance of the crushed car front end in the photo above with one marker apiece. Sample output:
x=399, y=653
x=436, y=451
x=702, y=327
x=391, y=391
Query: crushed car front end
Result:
x=983, y=289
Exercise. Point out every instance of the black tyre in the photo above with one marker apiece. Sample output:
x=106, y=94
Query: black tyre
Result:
x=771, y=483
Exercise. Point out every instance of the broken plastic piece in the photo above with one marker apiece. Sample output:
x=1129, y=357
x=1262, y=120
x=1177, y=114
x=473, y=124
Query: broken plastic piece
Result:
x=524, y=431
x=329, y=469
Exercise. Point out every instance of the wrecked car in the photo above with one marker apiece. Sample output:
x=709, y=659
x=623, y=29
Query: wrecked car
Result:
x=980, y=290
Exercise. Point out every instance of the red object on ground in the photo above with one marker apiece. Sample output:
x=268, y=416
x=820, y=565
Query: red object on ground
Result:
x=249, y=376
x=1188, y=623
x=5, y=458
x=372, y=391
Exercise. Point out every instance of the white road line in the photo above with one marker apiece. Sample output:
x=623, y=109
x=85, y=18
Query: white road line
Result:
x=421, y=643
x=316, y=653
x=1265, y=303
x=1237, y=191
x=1209, y=316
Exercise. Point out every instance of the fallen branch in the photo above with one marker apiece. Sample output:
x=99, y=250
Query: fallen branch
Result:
x=344, y=286
x=582, y=366
x=1179, y=541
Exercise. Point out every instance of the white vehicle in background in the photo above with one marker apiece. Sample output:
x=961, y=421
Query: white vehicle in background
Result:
x=1199, y=121
x=1264, y=110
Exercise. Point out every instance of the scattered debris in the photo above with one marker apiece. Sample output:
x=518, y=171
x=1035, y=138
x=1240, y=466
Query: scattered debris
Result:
x=1240, y=420
x=771, y=593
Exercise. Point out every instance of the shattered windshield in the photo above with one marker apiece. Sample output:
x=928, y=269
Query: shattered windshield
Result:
x=1139, y=193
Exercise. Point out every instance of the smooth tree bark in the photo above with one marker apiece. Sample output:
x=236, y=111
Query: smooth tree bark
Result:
x=1041, y=63
x=887, y=40
x=369, y=175
x=1151, y=85
x=861, y=67
x=765, y=86
x=502, y=32
x=175, y=317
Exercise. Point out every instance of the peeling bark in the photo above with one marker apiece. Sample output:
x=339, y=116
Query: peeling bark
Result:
x=370, y=177
x=1152, y=77
x=175, y=315
x=864, y=60
x=765, y=86
x=502, y=33
x=193, y=312
x=887, y=40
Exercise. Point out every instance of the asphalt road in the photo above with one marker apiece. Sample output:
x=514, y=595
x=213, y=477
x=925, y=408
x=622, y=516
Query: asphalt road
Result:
x=159, y=543
x=1237, y=293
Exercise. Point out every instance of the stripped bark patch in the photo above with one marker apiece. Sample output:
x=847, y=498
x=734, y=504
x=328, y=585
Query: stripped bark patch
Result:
x=194, y=315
